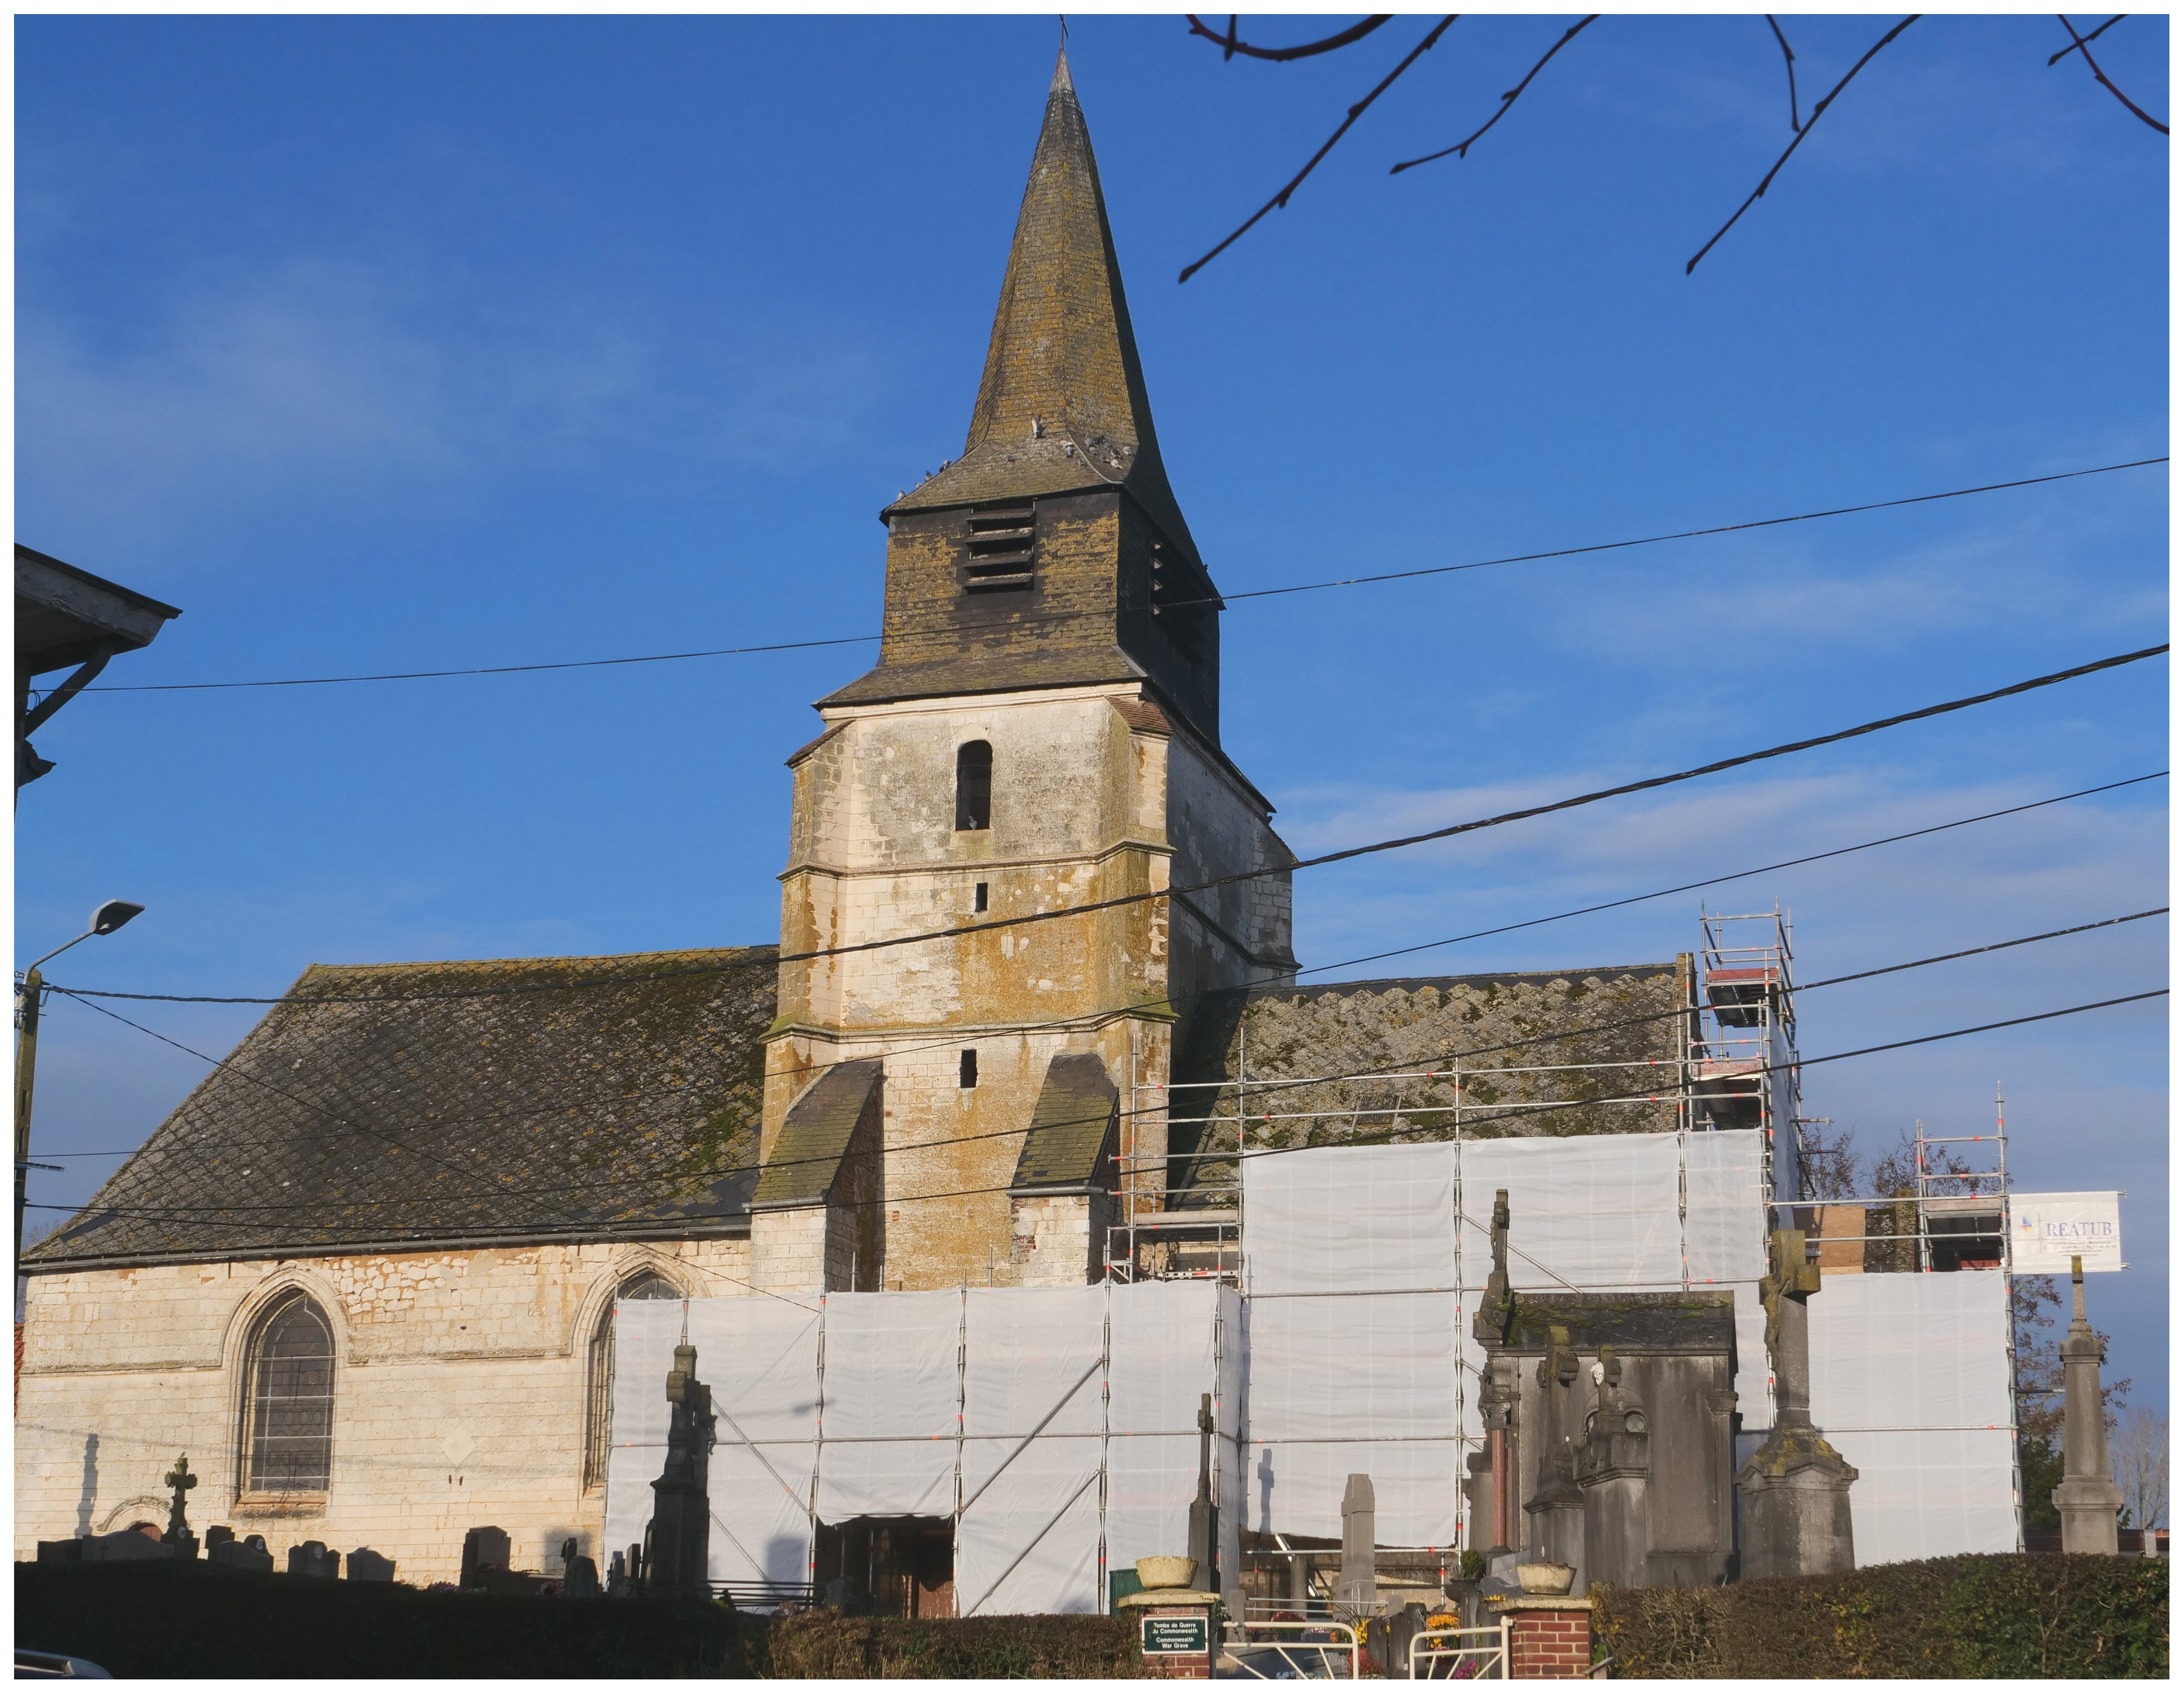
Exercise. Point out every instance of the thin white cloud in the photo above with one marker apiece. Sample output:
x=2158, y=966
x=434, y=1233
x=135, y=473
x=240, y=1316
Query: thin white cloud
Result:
x=325, y=380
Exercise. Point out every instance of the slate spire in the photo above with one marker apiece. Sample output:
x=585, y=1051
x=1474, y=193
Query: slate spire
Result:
x=1061, y=404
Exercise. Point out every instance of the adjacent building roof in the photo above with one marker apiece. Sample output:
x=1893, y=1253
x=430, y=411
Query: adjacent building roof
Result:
x=1061, y=404
x=816, y=1134
x=1070, y=1127
x=66, y=617
x=423, y=1105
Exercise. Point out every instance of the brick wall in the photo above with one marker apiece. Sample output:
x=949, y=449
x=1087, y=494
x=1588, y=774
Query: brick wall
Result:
x=1550, y=1644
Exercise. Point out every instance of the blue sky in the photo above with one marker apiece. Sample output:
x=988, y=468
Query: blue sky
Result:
x=399, y=344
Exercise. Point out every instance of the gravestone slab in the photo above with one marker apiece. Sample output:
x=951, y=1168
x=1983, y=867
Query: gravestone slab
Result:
x=367, y=1566
x=312, y=1558
x=248, y=1554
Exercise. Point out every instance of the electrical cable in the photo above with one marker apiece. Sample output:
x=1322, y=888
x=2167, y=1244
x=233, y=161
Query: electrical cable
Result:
x=1233, y=877
x=1217, y=599
x=563, y=1101
x=174, y=1215
x=686, y=1177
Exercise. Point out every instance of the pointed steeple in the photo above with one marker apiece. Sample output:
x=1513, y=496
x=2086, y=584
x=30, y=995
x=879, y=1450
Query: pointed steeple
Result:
x=1061, y=404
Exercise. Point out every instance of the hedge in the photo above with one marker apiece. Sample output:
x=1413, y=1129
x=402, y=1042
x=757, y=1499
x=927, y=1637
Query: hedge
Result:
x=828, y=1644
x=201, y=1620
x=2004, y=1614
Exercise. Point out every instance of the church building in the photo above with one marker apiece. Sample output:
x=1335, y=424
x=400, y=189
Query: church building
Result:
x=365, y=1274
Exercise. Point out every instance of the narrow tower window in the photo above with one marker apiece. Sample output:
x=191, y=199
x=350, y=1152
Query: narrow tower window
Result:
x=974, y=785
x=967, y=1070
x=978, y=898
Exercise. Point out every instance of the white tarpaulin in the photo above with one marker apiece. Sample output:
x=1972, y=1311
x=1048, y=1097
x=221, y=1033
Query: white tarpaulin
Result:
x=1598, y=1210
x=1078, y=1407
x=1359, y=1354
x=2045, y=1229
x=1351, y=1220
x=1034, y=1393
x=892, y=1379
x=1911, y=1384
x=761, y=1362
x=1165, y=1336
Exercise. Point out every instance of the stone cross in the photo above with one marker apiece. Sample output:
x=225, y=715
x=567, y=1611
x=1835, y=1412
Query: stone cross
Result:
x=2087, y=1498
x=1202, y=1514
x=1791, y=1280
x=1357, y=1585
x=680, y=1528
x=178, y=1536
x=1795, y=1487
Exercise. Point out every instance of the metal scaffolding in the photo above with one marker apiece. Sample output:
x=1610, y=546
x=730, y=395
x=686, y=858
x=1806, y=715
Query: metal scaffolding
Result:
x=1736, y=1067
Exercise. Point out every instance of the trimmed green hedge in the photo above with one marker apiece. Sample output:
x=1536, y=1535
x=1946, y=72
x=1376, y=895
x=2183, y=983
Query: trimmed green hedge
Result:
x=826, y=1644
x=2004, y=1614
x=196, y=1619
x=200, y=1620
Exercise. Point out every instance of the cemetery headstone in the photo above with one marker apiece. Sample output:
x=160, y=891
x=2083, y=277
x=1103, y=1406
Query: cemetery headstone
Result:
x=178, y=1538
x=367, y=1566
x=312, y=1558
x=248, y=1554
x=484, y=1548
x=579, y=1577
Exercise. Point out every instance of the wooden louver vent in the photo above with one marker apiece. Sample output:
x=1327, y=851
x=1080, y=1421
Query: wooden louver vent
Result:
x=998, y=556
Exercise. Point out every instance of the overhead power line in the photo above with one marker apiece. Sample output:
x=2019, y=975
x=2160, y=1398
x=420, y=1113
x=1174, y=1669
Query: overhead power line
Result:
x=1233, y=879
x=1729, y=877
x=199, y=1215
x=683, y=1179
x=1249, y=594
x=563, y=1101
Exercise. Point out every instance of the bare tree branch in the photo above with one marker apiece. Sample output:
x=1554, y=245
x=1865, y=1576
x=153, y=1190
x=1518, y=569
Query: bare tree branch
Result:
x=1790, y=64
x=2078, y=46
x=1356, y=113
x=1508, y=100
x=1230, y=47
x=1826, y=100
x=2055, y=58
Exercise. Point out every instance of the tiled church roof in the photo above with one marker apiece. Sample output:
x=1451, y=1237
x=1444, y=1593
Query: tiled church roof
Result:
x=552, y=1112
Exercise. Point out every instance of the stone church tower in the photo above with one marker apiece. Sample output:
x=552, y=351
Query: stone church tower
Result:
x=1042, y=732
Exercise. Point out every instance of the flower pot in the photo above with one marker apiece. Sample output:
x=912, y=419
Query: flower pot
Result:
x=1546, y=1579
x=1166, y=1571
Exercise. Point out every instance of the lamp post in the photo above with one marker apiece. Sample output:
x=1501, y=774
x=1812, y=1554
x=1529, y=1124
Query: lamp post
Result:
x=105, y=921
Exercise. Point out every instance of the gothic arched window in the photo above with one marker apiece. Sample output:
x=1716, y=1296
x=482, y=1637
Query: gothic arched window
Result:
x=599, y=1403
x=974, y=785
x=289, y=1412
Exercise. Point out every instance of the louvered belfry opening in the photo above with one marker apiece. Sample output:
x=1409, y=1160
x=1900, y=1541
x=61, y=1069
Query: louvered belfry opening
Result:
x=1001, y=556
x=289, y=1449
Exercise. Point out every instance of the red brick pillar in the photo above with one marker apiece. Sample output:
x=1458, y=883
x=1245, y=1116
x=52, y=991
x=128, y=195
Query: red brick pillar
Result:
x=1550, y=1635
x=1178, y=1634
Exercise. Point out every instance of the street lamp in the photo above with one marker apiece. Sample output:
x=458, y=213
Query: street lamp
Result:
x=105, y=921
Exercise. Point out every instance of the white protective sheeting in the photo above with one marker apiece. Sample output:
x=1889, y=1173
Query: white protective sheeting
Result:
x=1062, y=1440
x=761, y=1361
x=1165, y=1339
x=1351, y=1220
x=891, y=1379
x=1598, y=1210
x=1911, y=1384
x=1726, y=1207
x=1353, y=1366
x=1032, y=1416
x=1929, y=1493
